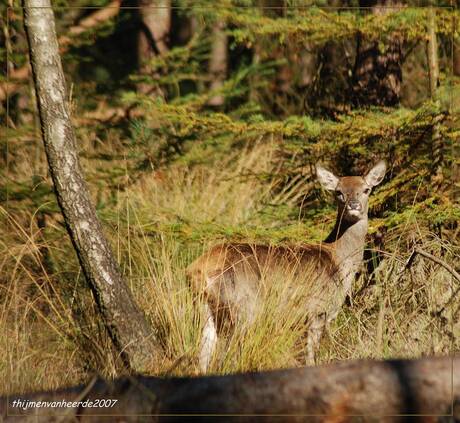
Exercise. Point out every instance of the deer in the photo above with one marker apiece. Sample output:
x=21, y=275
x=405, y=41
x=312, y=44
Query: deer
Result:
x=229, y=275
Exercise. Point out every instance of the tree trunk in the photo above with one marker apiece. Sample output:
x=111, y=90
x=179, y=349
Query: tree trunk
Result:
x=377, y=74
x=308, y=65
x=218, y=62
x=432, y=54
x=125, y=323
x=456, y=58
x=155, y=20
x=433, y=72
x=361, y=391
x=284, y=77
x=328, y=93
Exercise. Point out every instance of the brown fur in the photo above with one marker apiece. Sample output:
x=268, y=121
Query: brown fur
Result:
x=231, y=276
x=238, y=269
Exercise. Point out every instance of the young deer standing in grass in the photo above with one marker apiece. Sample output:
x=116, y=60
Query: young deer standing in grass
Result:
x=230, y=275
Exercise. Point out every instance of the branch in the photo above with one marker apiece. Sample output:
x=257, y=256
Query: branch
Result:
x=437, y=260
x=428, y=386
x=111, y=10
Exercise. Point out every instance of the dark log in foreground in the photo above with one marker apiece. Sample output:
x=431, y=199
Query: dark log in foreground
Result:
x=379, y=391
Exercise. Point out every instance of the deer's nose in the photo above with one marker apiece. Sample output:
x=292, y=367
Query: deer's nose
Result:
x=354, y=205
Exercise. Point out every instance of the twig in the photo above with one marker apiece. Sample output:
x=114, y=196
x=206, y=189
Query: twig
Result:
x=431, y=257
x=448, y=302
x=442, y=263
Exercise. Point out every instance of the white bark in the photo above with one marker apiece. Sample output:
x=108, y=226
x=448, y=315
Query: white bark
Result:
x=125, y=323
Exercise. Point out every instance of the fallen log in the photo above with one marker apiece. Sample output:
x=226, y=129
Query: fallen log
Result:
x=376, y=390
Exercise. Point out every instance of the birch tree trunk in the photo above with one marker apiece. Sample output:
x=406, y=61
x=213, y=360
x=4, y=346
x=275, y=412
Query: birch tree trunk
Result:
x=125, y=323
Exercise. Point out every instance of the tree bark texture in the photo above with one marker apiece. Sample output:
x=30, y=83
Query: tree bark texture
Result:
x=308, y=65
x=456, y=57
x=218, y=62
x=433, y=72
x=432, y=53
x=155, y=24
x=126, y=325
x=156, y=20
x=377, y=74
x=375, y=391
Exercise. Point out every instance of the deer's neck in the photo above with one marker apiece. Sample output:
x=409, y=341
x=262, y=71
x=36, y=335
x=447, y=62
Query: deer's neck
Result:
x=347, y=241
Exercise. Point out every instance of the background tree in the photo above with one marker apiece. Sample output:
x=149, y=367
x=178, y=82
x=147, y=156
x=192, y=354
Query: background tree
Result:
x=218, y=62
x=433, y=72
x=456, y=57
x=377, y=74
x=155, y=26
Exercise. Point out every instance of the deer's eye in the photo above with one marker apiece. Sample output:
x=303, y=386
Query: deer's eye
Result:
x=367, y=191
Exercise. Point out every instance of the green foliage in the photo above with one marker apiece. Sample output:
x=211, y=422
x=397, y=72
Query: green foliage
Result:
x=318, y=26
x=401, y=135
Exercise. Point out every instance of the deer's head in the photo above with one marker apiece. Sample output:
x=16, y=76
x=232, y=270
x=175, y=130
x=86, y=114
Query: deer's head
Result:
x=352, y=192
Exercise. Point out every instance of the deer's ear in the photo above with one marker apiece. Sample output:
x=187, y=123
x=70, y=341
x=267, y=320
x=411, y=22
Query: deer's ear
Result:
x=327, y=179
x=376, y=174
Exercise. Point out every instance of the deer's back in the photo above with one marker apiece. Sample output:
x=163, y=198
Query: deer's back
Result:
x=233, y=276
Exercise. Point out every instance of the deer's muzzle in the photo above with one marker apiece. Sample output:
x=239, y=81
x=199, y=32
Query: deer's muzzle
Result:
x=354, y=205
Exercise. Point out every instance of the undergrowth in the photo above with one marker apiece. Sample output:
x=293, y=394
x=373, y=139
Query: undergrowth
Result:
x=50, y=332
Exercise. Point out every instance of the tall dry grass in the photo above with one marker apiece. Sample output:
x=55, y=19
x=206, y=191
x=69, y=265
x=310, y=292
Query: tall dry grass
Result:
x=50, y=335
